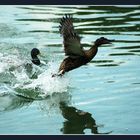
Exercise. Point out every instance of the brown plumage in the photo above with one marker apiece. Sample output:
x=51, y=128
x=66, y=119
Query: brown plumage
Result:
x=77, y=56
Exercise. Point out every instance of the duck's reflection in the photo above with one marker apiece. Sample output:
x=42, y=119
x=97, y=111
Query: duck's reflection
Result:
x=77, y=121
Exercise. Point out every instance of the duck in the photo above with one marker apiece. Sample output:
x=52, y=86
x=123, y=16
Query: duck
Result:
x=28, y=66
x=76, y=55
x=35, y=61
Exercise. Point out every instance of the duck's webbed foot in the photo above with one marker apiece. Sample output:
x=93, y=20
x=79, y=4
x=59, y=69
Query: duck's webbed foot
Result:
x=54, y=75
x=61, y=73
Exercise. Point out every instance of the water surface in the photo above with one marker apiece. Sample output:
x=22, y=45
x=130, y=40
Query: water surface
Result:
x=107, y=88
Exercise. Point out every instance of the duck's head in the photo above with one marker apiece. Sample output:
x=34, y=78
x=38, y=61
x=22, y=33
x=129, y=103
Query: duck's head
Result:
x=35, y=52
x=102, y=40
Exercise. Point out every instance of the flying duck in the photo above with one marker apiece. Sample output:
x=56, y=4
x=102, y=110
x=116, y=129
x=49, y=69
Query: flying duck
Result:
x=76, y=55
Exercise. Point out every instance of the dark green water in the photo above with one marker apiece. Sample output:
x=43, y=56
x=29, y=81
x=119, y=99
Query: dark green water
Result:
x=108, y=88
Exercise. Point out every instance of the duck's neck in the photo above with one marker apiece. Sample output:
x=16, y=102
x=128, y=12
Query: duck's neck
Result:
x=91, y=52
x=35, y=60
x=34, y=56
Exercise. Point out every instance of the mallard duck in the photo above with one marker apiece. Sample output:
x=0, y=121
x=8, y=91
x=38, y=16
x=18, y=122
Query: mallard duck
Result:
x=76, y=55
x=28, y=65
x=35, y=60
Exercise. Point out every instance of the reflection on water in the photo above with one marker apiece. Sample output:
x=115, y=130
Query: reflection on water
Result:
x=77, y=121
x=107, y=88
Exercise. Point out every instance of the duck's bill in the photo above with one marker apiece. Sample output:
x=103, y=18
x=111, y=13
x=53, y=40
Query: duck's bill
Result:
x=41, y=55
x=109, y=41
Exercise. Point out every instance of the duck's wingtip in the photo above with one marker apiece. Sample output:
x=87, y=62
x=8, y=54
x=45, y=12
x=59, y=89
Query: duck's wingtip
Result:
x=67, y=16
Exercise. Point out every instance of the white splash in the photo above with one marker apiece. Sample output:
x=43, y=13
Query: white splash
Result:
x=48, y=84
x=45, y=83
x=9, y=61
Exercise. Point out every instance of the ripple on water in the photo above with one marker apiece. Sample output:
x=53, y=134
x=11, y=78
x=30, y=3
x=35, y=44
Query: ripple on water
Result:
x=108, y=85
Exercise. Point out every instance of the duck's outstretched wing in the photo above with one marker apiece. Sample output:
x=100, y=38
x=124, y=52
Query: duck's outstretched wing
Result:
x=71, y=39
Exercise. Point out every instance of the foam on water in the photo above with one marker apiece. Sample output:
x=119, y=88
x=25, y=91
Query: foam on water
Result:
x=21, y=80
x=3, y=67
x=48, y=84
x=8, y=61
x=39, y=88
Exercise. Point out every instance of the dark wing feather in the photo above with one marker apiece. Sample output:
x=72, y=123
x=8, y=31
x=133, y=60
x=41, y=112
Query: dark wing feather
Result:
x=71, y=39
